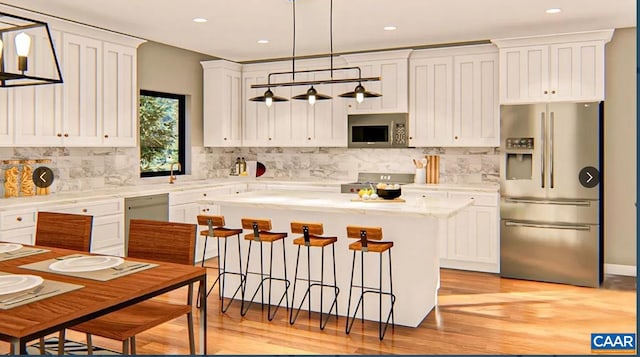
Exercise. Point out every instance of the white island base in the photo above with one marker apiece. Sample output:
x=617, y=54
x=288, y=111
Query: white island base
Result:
x=413, y=226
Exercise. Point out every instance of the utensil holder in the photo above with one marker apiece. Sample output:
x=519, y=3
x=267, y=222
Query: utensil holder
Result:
x=420, y=176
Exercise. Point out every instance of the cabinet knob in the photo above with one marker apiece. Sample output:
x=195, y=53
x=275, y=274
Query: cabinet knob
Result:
x=66, y=135
x=308, y=138
x=269, y=138
x=553, y=92
x=204, y=194
x=411, y=138
x=456, y=137
x=19, y=219
x=546, y=92
x=84, y=210
x=106, y=136
x=59, y=135
x=224, y=139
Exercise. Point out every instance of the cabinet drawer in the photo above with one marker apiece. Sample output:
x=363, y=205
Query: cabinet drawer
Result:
x=107, y=231
x=480, y=199
x=17, y=219
x=96, y=209
x=22, y=236
x=192, y=196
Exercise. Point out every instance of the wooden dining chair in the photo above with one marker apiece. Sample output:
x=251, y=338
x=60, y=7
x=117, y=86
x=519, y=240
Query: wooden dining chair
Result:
x=66, y=231
x=154, y=240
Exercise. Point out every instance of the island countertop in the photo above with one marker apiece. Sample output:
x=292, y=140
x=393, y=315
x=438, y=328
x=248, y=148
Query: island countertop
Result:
x=338, y=202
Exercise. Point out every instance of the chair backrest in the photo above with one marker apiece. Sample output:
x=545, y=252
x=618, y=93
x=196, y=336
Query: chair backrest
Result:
x=216, y=221
x=64, y=230
x=170, y=242
x=264, y=224
x=314, y=228
x=372, y=233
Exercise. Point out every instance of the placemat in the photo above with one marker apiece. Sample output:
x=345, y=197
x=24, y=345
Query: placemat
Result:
x=126, y=268
x=22, y=252
x=47, y=289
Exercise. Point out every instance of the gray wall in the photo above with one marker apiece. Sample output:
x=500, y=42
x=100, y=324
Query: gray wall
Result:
x=620, y=149
x=169, y=69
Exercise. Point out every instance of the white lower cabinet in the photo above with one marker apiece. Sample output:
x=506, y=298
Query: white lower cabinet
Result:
x=107, y=234
x=18, y=226
x=473, y=241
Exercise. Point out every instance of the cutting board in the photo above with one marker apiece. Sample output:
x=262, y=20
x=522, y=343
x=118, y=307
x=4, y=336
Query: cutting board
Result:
x=379, y=200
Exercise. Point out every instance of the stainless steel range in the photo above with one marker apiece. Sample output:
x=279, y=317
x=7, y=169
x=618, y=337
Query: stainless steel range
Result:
x=369, y=178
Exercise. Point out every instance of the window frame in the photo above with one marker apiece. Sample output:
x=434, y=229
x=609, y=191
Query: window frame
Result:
x=182, y=102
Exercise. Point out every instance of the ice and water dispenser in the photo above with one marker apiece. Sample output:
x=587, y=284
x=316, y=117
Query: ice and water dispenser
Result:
x=519, y=153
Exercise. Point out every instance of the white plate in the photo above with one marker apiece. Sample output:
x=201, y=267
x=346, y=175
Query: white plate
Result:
x=9, y=247
x=14, y=283
x=82, y=264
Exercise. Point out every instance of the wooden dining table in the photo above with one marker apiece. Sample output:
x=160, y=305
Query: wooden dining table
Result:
x=25, y=323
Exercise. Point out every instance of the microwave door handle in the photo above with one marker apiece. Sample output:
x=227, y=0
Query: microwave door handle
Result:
x=551, y=144
x=543, y=130
x=392, y=140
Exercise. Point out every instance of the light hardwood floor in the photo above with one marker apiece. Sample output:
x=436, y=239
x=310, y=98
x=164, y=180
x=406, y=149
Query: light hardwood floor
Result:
x=477, y=314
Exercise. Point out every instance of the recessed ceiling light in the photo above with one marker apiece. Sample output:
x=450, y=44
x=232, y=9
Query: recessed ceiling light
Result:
x=389, y=28
x=200, y=20
x=553, y=11
x=262, y=42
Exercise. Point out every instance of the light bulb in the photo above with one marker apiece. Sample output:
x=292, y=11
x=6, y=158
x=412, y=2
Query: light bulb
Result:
x=359, y=97
x=311, y=95
x=23, y=43
x=268, y=101
x=312, y=99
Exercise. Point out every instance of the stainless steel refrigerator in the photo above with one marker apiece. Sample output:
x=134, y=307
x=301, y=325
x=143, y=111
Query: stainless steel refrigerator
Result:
x=551, y=199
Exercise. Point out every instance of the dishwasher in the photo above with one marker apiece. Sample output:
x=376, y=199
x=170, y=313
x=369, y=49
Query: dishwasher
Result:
x=154, y=207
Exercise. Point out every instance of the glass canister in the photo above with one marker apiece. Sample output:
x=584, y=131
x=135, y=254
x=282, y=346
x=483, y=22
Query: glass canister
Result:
x=11, y=175
x=40, y=163
x=27, y=187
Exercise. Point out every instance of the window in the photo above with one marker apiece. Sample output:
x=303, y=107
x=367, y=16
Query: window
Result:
x=162, y=136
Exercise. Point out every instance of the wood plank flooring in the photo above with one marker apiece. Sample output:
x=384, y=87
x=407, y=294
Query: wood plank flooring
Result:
x=477, y=314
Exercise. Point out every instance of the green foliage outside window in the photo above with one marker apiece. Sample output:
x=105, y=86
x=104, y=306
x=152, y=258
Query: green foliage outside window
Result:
x=160, y=117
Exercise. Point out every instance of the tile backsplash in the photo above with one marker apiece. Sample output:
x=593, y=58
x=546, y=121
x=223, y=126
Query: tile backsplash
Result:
x=77, y=169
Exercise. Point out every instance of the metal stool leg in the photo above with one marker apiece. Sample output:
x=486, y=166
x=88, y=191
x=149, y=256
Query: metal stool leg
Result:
x=353, y=266
x=292, y=320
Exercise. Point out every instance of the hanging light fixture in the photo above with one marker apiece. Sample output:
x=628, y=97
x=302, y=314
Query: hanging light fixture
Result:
x=268, y=98
x=312, y=95
x=359, y=93
x=15, y=72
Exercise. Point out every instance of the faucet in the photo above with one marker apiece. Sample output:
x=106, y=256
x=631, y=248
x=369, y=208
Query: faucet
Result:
x=172, y=177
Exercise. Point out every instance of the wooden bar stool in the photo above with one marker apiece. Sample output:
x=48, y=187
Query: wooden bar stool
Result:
x=215, y=229
x=311, y=238
x=261, y=234
x=365, y=244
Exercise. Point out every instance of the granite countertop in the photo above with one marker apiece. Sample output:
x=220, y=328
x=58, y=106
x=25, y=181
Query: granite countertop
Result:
x=149, y=186
x=337, y=202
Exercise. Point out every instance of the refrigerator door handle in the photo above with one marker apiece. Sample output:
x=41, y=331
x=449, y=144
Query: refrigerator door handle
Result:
x=547, y=226
x=551, y=126
x=543, y=130
x=547, y=202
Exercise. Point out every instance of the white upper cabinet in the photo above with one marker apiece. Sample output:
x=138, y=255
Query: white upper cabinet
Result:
x=430, y=100
x=37, y=110
x=222, y=96
x=82, y=99
x=392, y=68
x=453, y=97
x=120, y=95
x=97, y=103
x=476, y=109
x=565, y=67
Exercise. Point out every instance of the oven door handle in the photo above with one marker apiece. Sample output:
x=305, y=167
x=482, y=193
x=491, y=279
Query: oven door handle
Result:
x=547, y=202
x=547, y=226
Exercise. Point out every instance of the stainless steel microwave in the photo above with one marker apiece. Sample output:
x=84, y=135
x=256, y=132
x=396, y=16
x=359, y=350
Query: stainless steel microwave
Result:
x=378, y=130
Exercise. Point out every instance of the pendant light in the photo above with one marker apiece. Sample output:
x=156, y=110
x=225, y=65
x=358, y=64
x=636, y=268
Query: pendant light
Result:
x=268, y=98
x=360, y=93
x=312, y=94
x=23, y=44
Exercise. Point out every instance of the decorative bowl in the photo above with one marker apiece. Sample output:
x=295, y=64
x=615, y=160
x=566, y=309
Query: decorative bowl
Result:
x=388, y=194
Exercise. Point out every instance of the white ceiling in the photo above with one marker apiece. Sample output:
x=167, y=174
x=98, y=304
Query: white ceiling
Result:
x=234, y=26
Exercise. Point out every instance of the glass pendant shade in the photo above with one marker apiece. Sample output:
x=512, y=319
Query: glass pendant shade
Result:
x=311, y=96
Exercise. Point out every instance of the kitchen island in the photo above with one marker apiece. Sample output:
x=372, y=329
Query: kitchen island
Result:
x=413, y=226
